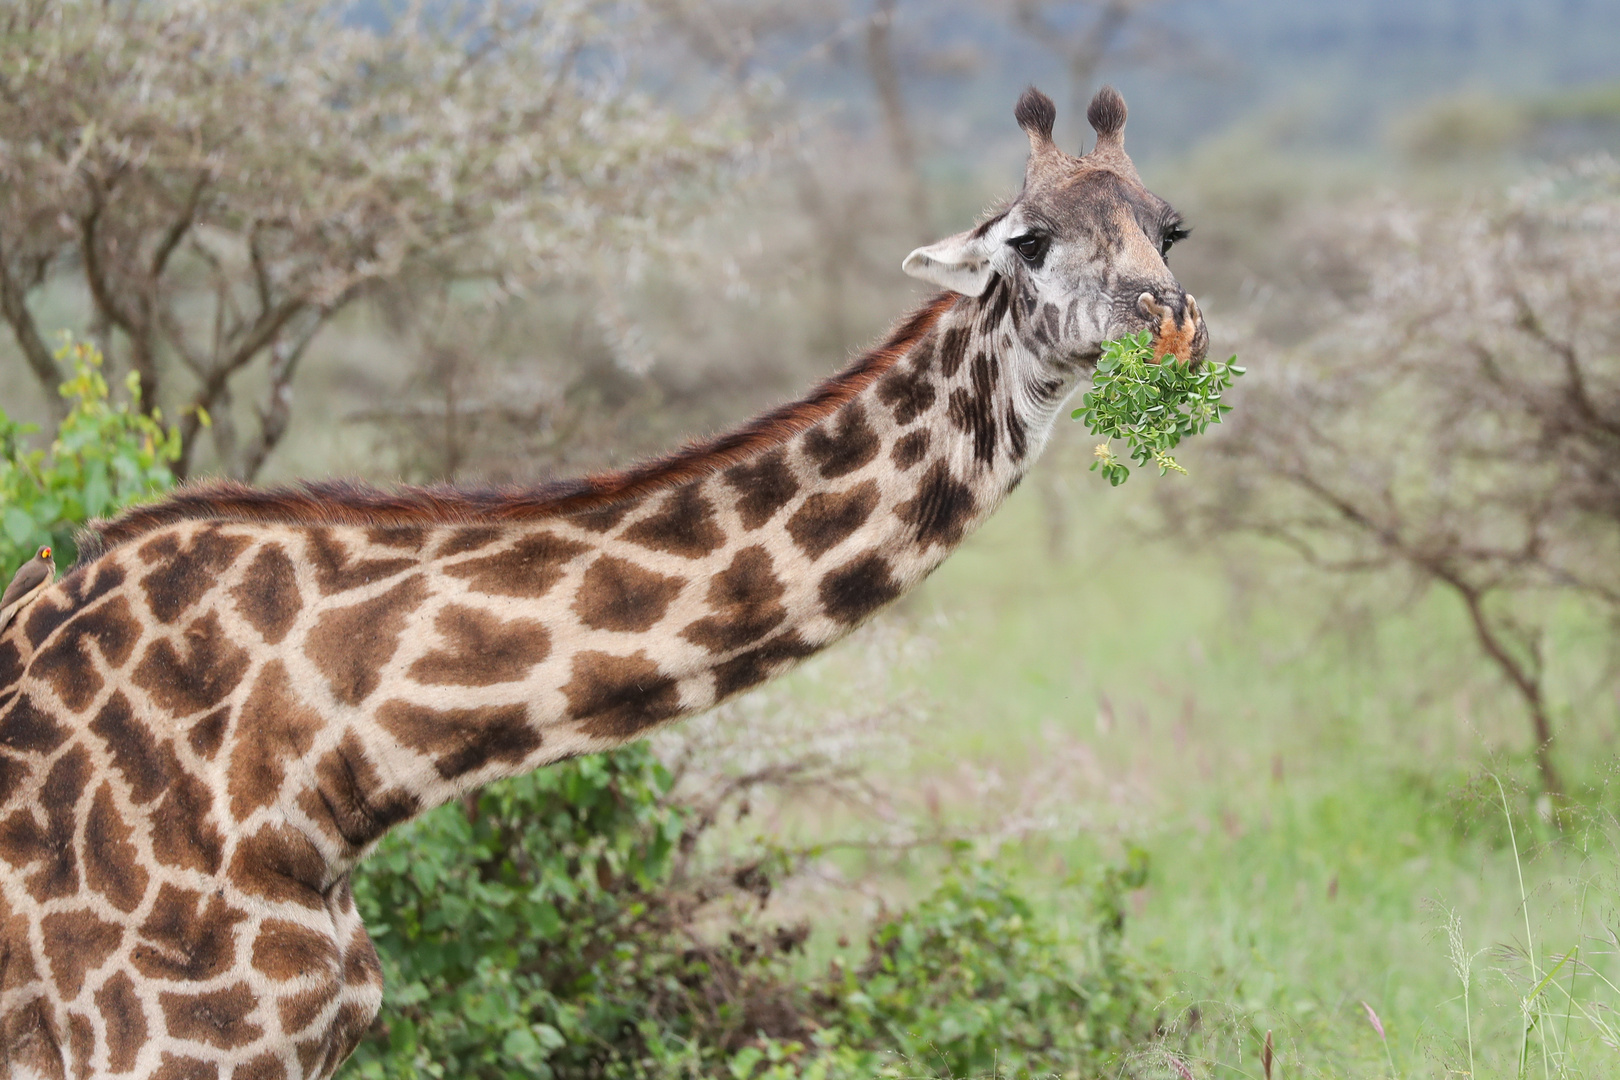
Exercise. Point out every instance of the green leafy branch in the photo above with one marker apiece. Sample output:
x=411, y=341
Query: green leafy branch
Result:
x=1152, y=406
x=105, y=455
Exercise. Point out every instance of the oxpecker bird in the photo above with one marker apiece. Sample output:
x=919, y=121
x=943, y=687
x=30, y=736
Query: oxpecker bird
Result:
x=30, y=581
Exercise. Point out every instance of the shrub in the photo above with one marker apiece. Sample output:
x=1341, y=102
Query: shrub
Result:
x=973, y=981
x=548, y=929
x=105, y=456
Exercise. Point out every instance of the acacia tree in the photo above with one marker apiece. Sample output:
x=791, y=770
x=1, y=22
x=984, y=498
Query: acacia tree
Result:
x=225, y=176
x=1458, y=419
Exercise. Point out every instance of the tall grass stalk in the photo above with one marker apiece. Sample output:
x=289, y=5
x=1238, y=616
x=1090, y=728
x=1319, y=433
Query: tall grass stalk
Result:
x=1530, y=1021
x=1463, y=964
x=1378, y=1026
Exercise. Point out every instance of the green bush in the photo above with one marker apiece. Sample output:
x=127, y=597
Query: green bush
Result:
x=550, y=929
x=105, y=456
x=972, y=981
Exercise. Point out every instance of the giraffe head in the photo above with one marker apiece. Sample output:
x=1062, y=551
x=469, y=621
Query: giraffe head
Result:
x=1083, y=247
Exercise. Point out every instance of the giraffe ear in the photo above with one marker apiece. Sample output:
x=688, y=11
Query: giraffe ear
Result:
x=960, y=263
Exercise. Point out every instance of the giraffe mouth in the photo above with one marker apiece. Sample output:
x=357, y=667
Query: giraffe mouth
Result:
x=1178, y=331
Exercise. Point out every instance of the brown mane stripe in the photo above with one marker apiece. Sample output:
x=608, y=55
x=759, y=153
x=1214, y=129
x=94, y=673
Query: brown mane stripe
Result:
x=347, y=502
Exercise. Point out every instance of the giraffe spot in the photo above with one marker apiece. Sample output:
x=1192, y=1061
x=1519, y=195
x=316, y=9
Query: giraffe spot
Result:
x=972, y=415
x=277, y=728
x=463, y=740
x=42, y=617
x=350, y=645
x=616, y=697
x=28, y=1035
x=858, y=588
x=842, y=443
x=186, y=937
x=76, y=942
x=11, y=667
x=111, y=862
x=311, y=1053
x=280, y=864
x=361, y=966
x=909, y=449
x=409, y=537
x=285, y=950
x=183, y=683
x=175, y=1067
x=183, y=572
x=183, y=829
x=348, y=1026
x=123, y=1019
x=764, y=486
x=12, y=773
x=348, y=799
x=941, y=509
x=682, y=525
x=217, y=1018
x=302, y=1008
x=616, y=594
x=17, y=968
x=756, y=665
x=1016, y=434
x=827, y=518
x=266, y=1066
x=28, y=729
x=528, y=569
x=1046, y=390
x=81, y=587
x=81, y=1043
x=23, y=842
x=336, y=571
x=267, y=596
x=1047, y=324
x=995, y=309
x=602, y=518
x=208, y=734
x=67, y=664
x=481, y=649
x=952, y=350
x=465, y=538
x=907, y=392
x=746, y=598
x=146, y=766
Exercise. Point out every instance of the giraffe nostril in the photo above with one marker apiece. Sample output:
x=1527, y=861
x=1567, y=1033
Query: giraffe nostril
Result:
x=1148, y=306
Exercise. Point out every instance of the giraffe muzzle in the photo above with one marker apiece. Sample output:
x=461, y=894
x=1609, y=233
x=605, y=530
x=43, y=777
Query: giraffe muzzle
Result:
x=1181, y=334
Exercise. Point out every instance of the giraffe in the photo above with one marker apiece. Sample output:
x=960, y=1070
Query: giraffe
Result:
x=235, y=692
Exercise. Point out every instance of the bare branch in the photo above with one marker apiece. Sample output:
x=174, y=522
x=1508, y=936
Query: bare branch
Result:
x=14, y=305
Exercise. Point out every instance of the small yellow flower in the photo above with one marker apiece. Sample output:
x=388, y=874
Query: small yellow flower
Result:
x=1102, y=451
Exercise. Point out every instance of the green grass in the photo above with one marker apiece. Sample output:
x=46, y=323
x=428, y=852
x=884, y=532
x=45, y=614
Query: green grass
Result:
x=1307, y=770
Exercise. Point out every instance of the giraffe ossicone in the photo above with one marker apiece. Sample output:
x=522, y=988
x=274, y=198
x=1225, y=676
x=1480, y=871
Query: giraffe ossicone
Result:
x=236, y=692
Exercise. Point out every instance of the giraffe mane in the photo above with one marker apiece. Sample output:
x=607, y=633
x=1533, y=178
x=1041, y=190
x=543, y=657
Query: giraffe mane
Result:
x=350, y=502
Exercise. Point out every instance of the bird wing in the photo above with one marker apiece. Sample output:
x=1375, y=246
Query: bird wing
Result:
x=33, y=574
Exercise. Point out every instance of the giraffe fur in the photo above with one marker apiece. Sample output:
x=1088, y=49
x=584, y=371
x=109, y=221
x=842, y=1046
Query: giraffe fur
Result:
x=213, y=717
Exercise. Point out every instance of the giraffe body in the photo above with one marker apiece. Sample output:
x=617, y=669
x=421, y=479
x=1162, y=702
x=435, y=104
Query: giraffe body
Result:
x=205, y=726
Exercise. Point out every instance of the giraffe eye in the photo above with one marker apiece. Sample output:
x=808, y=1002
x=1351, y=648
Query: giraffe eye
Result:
x=1171, y=235
x=1032, y=248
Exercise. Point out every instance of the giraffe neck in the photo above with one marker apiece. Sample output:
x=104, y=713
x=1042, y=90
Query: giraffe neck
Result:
x=351, y=676
x=205, y=727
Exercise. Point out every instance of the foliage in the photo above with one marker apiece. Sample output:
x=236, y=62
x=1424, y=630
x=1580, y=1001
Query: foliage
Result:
x=1151, y=405
x=105, y=456
x=223, y=177
x=974, y=981
x=548, y=932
